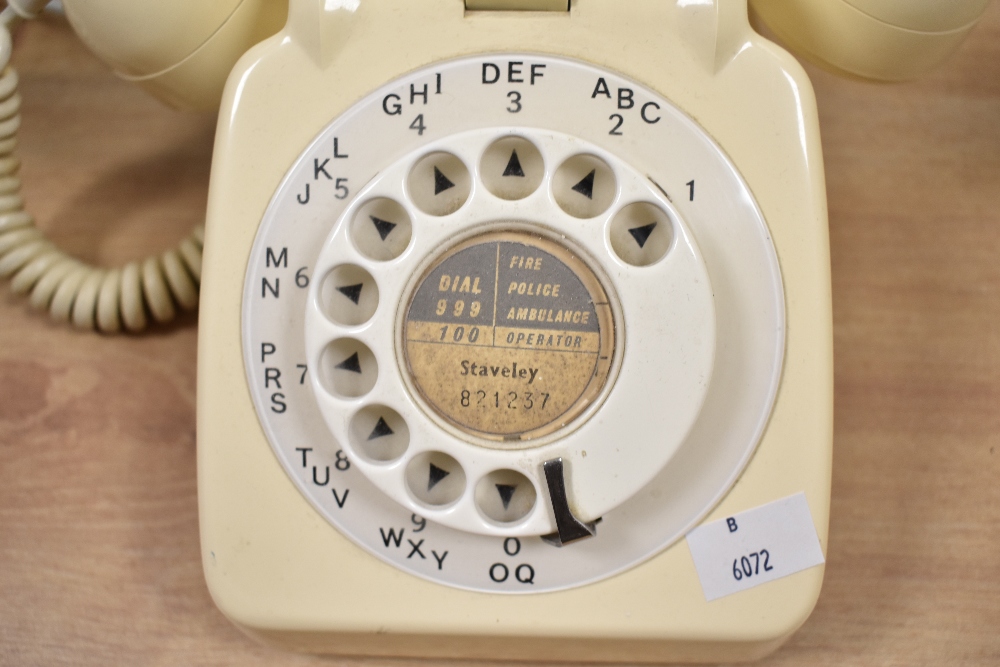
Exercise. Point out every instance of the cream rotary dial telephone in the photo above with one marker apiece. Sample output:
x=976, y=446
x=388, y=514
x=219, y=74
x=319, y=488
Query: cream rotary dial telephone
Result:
x=515, y=332
x=512, y=323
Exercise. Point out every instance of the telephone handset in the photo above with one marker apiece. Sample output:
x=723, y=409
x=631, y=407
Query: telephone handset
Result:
x=501, y=301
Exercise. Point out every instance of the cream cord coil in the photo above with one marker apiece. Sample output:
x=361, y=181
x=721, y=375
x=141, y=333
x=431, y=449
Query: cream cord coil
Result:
x=108, y=300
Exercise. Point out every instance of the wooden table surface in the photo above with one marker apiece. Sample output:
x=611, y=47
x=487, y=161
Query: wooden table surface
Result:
x=99, y=557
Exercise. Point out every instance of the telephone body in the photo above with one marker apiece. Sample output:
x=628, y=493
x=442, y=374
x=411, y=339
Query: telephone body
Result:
x=500, y=301
x=717, y=335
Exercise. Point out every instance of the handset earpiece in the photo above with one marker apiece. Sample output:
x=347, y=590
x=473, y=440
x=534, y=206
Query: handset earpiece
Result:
x=885, y=40
x=180, y=51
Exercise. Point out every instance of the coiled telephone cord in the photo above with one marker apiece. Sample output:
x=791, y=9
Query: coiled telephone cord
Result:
x=72, y=291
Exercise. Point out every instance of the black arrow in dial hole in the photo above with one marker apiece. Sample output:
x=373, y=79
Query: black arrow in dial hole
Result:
x=586, y=185
x=352, y=292
x=506, y=492
x=351, y=363
x=641, y=234
x=384, y=227
x=513, y=166
x=435, y=475
x=381, y=430
x=441, y=182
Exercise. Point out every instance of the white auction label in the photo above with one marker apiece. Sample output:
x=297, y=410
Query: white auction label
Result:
x=755, y=547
